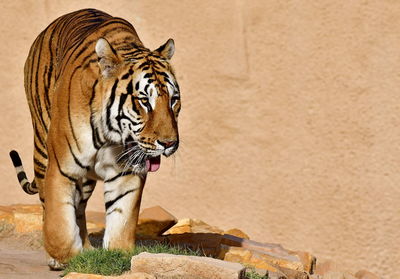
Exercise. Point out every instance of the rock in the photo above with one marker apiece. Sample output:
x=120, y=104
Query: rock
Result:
x=132, y=275
x=364, y=274
x=6, y=214
x=325, y=267
x=25, y=218
x=128, y=275
x=260, y=259
x=246, y=257
x=207, y=243
x=237, y=233
x=276, y=275
x=28, y=218
x=166, y=266
x=309, y=261
x=192, y=226
x=338, y=275
x=294, y=274
x=231, y=240
x=74, y=275
x=261, y=272
x=154, y=221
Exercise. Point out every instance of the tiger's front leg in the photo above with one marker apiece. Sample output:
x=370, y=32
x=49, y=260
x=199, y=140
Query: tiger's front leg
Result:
x=61, y=233
x=122, y=195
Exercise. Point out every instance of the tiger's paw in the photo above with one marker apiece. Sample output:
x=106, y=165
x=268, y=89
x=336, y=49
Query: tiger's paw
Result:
x=55, y=265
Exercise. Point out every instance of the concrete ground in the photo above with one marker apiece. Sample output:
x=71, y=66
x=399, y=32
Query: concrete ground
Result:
x=20, y=257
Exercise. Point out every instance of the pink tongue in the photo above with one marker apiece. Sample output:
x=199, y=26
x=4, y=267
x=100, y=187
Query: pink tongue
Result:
x=153, y=164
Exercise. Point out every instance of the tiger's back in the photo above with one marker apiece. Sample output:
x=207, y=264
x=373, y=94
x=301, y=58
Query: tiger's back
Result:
x=61, y=43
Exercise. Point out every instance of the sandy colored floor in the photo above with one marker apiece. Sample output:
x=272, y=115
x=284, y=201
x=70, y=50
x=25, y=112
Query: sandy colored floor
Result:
x=18, y=260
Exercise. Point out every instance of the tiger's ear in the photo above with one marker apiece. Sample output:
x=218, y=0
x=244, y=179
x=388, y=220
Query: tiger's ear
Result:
x=166, y=50
x=107, y=56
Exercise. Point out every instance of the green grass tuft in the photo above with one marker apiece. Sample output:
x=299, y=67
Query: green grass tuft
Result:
x=252, y=274
x=116, y=262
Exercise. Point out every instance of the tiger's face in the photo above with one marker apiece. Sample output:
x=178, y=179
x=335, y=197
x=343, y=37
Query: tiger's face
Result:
x=143, y=103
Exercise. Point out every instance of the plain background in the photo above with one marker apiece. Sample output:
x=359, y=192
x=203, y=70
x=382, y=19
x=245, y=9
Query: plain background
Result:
x=289, y=125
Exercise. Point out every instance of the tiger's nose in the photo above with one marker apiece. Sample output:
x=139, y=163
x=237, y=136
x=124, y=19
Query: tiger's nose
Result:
x=168, y=143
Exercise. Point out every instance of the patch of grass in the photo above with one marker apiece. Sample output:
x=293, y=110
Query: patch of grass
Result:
x=252, y=274
x=116, y=262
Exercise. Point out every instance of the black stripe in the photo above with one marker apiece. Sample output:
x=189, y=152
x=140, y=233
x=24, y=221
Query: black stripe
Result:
x=27, y=189
x=32, y=53
x=84, y=200
x=50, y=71
x=69, y=109
x=146, y=88
x=78, y=190
x=21, y=176
x=110, y=203
x=129, y=88
x=62, y=172
x=39, y=164
x=93, y=92
x=37, y=134
x=95, y=135
x=125, y=76
x=145, y=63
x=37, y=95
x=33, y=185
x=122, y=100
x=88, y=191
x=109, y=105
x=108, y=31
x=119, y=210
x=139, y=130
x=148, y=75
x=123, y=116
x=74, y=156
x=37, y=148
x=134, y=106
x=15, y=158
x=38, y=174
x=88, y=182
x=45, y=91
x=89, y=62
x=118, y=176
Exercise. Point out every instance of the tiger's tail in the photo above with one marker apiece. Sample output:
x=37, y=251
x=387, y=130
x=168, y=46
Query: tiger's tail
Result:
x=29, y=187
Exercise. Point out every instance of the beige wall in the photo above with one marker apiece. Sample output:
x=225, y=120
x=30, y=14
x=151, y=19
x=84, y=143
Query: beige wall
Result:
x=290, y=119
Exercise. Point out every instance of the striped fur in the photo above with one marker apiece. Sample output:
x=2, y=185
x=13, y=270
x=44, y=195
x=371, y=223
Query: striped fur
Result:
x=103, y=107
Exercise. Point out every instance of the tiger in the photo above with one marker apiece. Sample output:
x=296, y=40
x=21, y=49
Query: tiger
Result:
x=103, y=107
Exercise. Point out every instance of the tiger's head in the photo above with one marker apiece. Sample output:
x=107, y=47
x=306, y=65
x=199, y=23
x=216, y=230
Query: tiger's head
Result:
x=142, y=103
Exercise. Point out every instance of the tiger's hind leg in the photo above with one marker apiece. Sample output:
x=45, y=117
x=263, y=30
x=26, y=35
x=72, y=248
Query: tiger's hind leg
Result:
x=83, y=193
x=61, y=234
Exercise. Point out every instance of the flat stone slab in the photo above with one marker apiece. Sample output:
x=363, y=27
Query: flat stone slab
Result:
x=166, y=266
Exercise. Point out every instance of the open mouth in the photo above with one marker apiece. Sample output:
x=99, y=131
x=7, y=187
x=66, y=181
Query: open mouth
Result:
x=136, y=156
x=153, y=163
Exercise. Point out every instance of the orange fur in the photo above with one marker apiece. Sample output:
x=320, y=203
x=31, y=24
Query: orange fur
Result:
x=94, y=91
